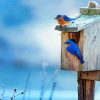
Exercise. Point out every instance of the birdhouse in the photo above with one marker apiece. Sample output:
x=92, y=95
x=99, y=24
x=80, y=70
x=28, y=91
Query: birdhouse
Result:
x=85, y=30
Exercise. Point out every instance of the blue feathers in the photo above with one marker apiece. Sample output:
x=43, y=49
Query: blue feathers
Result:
x=74, y=50
x=65, y=18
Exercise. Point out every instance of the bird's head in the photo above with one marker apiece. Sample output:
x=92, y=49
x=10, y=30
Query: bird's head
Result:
x=69, y=42
x=58, y=17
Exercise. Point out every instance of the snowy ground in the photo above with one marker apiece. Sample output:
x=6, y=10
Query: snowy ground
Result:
x=40, y=84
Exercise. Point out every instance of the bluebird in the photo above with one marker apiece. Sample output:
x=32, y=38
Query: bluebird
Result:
x=72, y=48
x=64, y=20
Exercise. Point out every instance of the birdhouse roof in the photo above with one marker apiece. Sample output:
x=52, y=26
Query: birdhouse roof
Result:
x=82, y=22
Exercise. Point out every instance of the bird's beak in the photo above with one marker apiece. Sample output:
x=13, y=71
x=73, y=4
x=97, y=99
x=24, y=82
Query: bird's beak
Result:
x=67, y=44
x=56, y=18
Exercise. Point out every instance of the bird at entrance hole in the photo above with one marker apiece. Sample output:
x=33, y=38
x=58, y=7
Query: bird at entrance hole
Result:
x=73, y=48
x=64, y=20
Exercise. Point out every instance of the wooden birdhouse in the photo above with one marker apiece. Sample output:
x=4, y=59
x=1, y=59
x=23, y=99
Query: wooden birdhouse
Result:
x=85, y=30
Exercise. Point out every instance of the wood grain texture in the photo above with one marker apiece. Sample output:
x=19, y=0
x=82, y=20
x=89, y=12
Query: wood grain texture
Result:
x=92, y=47
x=90, y=11
x=86, y=89
x=90, y=75
x=88, y=41
x=69, y=61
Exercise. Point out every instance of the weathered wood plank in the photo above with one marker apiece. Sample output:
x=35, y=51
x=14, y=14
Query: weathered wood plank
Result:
x=88, y=42
x=90, y=75
x=67, y=28
x=92, y=47
x=86, y=89
x=68, y=61
x=90, y=11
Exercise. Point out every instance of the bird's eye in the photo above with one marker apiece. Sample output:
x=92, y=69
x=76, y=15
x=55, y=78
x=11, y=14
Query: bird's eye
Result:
x=68, y=44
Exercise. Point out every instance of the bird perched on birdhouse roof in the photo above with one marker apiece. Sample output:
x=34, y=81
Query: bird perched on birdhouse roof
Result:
x=64, y=20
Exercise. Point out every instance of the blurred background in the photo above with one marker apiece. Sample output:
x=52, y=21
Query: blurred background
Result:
x=30, y=51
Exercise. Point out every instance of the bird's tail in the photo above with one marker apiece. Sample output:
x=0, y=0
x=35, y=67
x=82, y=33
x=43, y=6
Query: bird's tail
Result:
x=73, y=19
x=78, y=17
x=82, y=61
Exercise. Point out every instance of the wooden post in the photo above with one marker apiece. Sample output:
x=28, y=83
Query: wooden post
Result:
x=86, y=84
x=86, y=89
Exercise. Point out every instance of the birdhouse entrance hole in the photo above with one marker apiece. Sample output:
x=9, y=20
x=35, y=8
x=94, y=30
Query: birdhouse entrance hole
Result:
x=68, y=61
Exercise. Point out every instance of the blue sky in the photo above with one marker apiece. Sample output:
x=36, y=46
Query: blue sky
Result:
x=28, y=40
x=28, y=27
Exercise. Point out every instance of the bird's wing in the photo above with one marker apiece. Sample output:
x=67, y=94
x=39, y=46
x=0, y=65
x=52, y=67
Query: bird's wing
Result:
x=78, y=54
x=71, y=50
x=66, y=18
x=74, y=50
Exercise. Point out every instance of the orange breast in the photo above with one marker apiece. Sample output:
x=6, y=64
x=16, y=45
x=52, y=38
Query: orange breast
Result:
x=62, y=22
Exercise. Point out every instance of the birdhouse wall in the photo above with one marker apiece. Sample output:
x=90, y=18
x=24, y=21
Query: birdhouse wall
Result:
x=88, y=41
x=68, y=61
x=92, y=47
